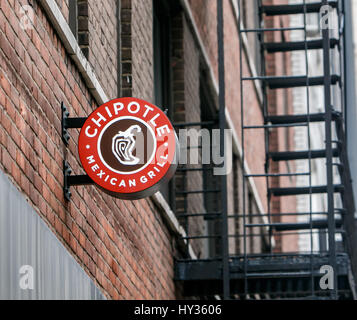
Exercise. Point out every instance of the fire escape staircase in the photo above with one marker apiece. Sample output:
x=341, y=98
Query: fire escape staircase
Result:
x=290, y=275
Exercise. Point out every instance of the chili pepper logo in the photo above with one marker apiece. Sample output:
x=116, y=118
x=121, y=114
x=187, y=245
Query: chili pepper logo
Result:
x=123, y=146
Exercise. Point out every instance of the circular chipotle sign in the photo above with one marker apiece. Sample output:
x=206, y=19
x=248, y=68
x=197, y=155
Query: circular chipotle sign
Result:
x=129, y=148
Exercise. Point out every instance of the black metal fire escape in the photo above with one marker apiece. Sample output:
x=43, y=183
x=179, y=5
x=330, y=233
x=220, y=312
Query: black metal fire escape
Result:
x=279, y=274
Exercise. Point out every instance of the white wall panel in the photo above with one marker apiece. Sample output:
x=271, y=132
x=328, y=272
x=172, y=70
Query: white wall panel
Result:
x=26, y=240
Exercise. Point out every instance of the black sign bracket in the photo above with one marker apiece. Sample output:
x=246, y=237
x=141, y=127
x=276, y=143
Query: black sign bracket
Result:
x=69, y=180
x=69, y=123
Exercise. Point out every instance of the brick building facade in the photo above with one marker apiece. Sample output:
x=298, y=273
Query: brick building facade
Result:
x=84, y=53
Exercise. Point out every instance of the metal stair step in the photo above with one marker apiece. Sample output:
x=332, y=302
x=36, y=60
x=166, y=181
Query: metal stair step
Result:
x=280, y=192
x=297, y=81
x=273, y=47
x=316, y=224
x=273, y=10
x=300, y=118
x=300, y=155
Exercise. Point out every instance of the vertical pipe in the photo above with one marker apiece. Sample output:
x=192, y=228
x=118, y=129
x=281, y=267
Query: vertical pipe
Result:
x=309, y=150
x=329, y=155
x=73, y=17
x=243, y=149
x=170, y=106
x=222, y=125
x=266, y=130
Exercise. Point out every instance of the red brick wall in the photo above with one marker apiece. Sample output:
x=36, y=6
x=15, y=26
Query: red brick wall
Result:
x=142, y=46
x=124, y=246
x=63, y=5
x=186, y=99
x=97, y=36
x=203, y=11
x=193, y=114
x=137, y=49
x=103, y=45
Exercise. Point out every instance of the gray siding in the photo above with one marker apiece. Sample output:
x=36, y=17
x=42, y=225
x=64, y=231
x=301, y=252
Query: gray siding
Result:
x=26, y=240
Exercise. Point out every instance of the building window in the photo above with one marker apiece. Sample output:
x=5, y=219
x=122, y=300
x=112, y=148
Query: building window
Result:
x=73, y=17
x=236, y=203
x=212, y=201
x=251, y=20
x=162, y=67
x=78, y=22
x=244, y=12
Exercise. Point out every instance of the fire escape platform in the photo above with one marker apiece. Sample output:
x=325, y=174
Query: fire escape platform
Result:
x=301, y=155
x=283, y=275
x=276, y=273
x=313, y=7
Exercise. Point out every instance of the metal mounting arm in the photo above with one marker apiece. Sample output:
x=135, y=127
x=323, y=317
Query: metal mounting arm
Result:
x=69, y=180
x=79, y=180
x=69, y=123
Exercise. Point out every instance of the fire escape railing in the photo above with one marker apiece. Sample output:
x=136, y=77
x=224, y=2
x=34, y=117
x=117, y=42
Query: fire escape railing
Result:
x=276, y=272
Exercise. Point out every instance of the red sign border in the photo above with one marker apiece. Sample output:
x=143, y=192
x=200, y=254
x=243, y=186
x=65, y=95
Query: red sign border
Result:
x=168, y=147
